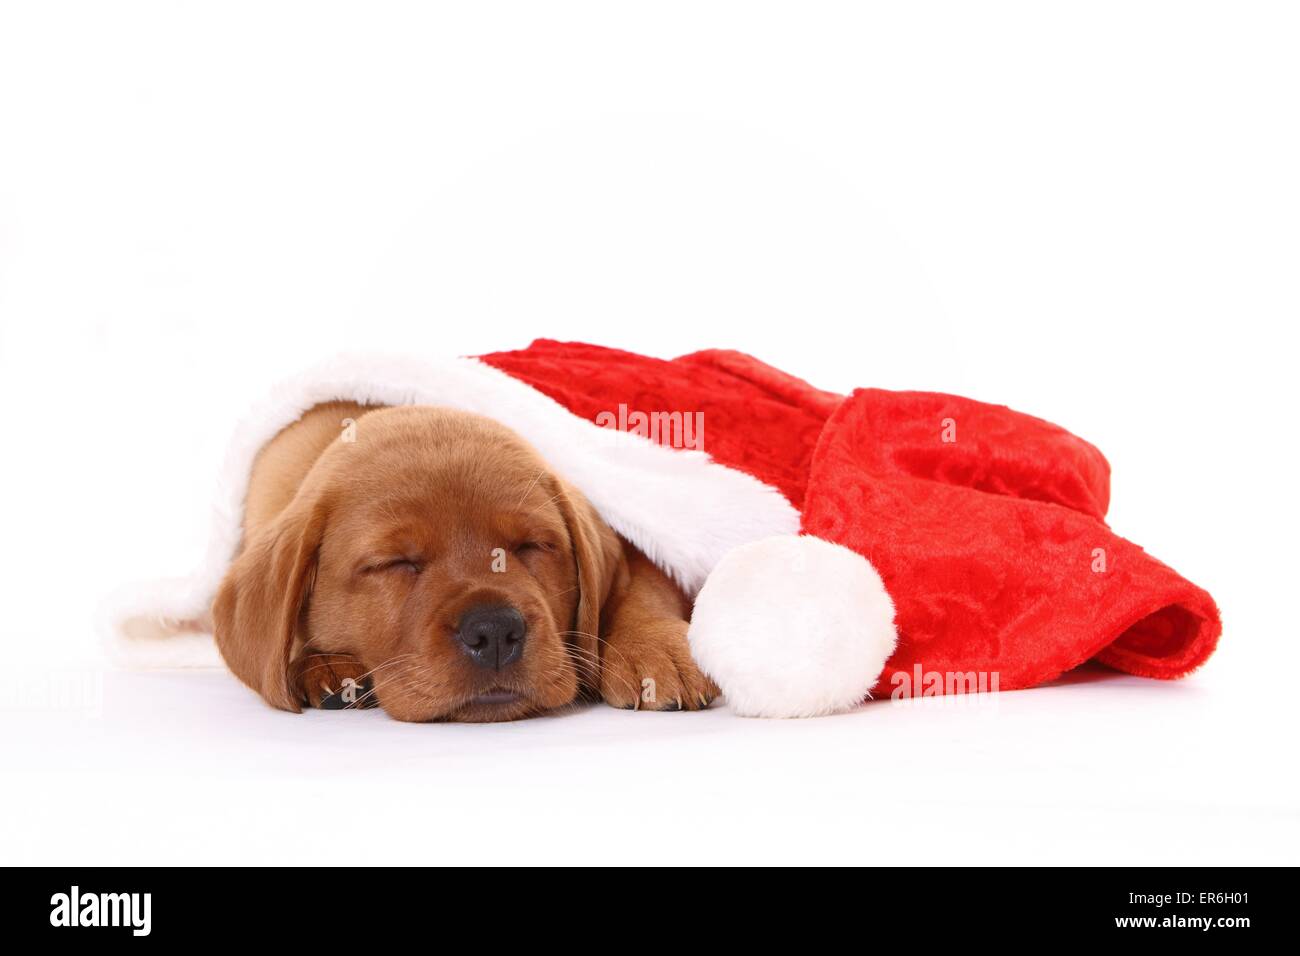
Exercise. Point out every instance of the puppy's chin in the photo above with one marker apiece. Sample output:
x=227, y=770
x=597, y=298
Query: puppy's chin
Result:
x=494, y=706
x=498, y=704
x=485, y=707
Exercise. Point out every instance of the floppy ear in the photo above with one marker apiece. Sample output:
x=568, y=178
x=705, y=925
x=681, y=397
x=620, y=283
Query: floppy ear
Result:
x=257, y=610
x=600, y=560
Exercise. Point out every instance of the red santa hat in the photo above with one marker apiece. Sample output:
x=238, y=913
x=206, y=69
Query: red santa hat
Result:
x=797, y=519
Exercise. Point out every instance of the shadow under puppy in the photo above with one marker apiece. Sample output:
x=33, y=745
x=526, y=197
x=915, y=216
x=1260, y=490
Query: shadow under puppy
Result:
x=430, y=554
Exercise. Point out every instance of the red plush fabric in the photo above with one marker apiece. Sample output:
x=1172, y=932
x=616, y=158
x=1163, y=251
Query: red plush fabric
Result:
x=986, y=525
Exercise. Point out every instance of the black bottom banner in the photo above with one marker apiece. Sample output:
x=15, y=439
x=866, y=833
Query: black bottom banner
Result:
x=354, y=908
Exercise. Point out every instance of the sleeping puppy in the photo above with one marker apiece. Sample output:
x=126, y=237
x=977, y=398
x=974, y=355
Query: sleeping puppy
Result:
x=430, y=557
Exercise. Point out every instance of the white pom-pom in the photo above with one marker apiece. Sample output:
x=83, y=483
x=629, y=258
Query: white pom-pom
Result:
x=793, y=626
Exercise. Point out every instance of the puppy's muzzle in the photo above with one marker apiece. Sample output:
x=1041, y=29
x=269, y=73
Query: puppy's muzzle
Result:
x=492, y=635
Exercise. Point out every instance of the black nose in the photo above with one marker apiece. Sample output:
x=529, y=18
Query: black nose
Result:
x=493, y=636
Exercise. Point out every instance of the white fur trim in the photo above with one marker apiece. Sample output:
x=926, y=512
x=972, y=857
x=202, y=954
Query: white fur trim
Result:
x=683, y=510
x=793, y=626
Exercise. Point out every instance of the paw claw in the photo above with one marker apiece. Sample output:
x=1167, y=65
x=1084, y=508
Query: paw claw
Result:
x=323, y=681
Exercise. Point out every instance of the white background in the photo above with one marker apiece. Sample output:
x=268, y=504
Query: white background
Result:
x=1086, y=211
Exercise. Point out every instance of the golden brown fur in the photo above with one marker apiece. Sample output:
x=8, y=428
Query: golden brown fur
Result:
x=365, y=549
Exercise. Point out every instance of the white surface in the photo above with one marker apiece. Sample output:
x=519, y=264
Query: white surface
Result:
x=1088, y=215
x=190, y=768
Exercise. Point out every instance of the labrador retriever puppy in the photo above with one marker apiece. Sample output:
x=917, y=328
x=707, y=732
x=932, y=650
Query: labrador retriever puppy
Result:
x=430, y=558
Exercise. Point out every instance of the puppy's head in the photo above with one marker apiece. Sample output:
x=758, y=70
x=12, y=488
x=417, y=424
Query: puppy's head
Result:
x=439, y=550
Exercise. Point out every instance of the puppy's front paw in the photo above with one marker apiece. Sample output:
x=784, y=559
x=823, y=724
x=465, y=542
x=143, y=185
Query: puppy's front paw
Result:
x=652, y=670
x=331, y=681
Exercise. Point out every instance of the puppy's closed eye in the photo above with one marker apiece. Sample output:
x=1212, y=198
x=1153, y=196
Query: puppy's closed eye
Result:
x=395, y=565
x=533, y=547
